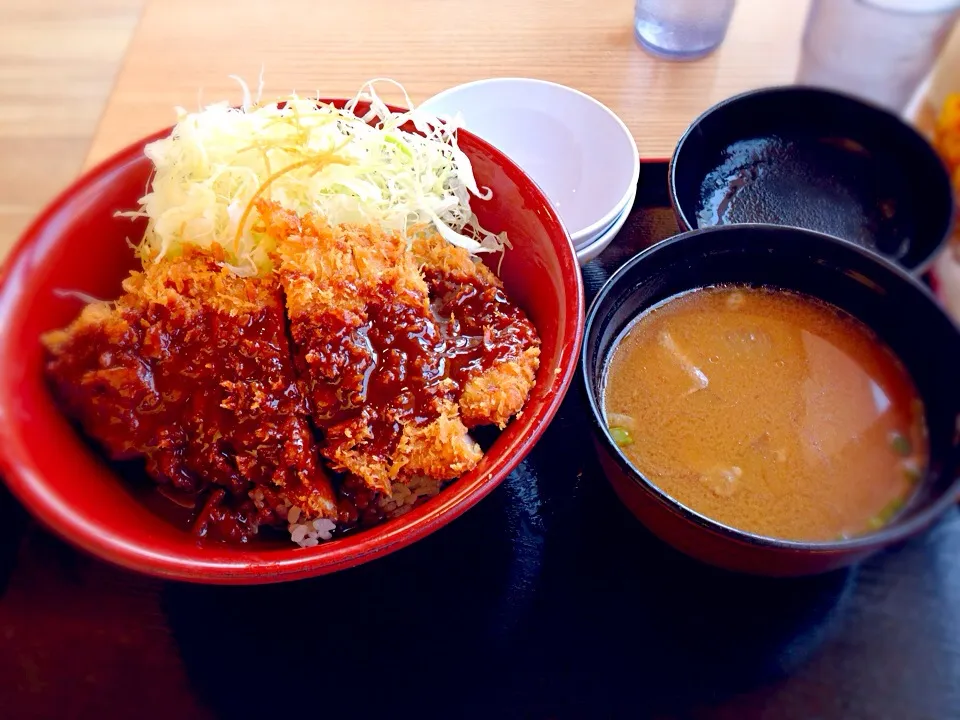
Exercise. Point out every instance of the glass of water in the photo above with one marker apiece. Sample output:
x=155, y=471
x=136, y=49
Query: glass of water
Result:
x=681, y=29
x=880, y=50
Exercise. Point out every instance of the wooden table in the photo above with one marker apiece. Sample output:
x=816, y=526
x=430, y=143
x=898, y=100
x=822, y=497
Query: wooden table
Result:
x=184, y=51
x=58, y=61
x=81, y=639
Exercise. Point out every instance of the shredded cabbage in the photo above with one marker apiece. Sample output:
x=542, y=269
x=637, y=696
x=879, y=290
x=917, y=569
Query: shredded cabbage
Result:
x=308, y=157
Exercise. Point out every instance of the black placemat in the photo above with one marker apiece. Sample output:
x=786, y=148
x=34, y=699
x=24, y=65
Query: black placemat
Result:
x=13, y=520
x=549, y=600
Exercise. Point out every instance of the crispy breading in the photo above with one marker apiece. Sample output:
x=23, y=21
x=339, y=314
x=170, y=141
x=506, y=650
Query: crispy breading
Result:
x=369, y=351
x=191, y=369
x=497, y=389
x=432, y=251
x=100, y=376
x=330, y=277
x=439, y=449
x=393, y=347
x=500, y=392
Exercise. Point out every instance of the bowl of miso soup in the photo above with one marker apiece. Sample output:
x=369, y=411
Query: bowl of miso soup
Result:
x=774, y=400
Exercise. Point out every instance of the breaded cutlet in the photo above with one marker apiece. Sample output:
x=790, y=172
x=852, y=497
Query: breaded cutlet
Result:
x=496, y=385
x=191, y=369
x=369, y=351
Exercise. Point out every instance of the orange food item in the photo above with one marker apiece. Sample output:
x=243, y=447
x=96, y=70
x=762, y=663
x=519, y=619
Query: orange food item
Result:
x=946, y=137
x=391, y=343
x=363, y=347
x=191, y=370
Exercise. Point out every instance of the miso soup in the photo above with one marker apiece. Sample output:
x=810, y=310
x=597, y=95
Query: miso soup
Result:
x=768, y=411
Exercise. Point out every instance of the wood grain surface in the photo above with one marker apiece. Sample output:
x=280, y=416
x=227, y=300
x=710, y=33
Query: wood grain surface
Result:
x=80, y=639
x=58, y=61
x=76, y=637
x=184, y=51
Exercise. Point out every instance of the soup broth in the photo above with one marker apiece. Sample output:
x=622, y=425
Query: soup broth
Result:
x=768, y=411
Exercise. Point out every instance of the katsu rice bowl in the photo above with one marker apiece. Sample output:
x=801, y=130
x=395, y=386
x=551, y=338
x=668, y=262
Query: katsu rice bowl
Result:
x=282, y=339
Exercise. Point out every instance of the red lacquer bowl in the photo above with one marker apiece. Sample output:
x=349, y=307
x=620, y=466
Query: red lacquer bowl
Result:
x=78, y=244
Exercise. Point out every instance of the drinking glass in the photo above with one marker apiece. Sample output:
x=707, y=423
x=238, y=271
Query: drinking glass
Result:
x=880, y=50
x=681, y=29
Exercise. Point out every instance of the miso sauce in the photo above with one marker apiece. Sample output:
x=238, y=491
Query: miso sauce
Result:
x=768, y=411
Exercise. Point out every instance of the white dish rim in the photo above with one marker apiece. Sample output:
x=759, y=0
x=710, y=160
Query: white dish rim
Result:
x=606, y=237
x=611, y=215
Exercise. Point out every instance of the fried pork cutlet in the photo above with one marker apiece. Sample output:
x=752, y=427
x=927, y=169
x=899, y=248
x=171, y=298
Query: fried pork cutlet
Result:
x=370, y=354
x=495, y=349
x=191, y=369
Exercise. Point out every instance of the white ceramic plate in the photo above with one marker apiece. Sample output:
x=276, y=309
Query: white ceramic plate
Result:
x=589, y=251
x=587, y=239
x=574, y=147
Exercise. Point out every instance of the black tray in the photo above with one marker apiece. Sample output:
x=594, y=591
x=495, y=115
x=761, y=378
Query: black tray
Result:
x=548, y=600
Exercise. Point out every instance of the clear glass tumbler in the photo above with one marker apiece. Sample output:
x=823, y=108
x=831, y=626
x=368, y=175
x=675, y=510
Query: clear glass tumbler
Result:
x=681, y=29
x=880, y=50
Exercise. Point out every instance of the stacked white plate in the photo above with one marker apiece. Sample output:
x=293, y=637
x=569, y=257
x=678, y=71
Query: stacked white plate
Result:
x=574, y=147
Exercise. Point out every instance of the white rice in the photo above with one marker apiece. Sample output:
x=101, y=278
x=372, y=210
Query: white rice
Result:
x=405, y=495
x=309, y=533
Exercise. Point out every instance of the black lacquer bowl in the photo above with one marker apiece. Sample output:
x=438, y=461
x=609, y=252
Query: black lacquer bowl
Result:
x=819, y=160
x=885, y=297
